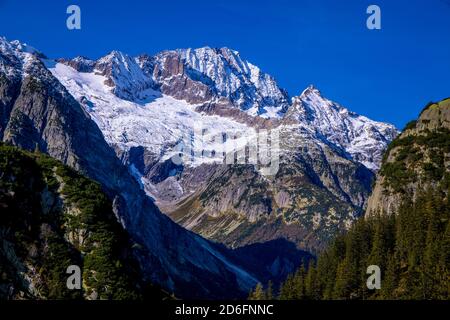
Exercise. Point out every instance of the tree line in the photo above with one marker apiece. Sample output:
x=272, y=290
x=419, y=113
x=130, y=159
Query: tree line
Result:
x=411, y=247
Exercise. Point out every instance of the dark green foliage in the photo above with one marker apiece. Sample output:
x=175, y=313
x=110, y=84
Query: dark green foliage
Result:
x=258, y=293
x=411, y=248
x=411, y=163
x=34, y=238
x=52, y=217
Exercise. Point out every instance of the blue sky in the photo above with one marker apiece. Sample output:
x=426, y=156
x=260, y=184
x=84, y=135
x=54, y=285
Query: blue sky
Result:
x=387, y=74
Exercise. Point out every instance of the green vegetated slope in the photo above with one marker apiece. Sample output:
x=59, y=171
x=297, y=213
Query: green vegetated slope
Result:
x=412, y=249
x=418, y=159
x=52, y=217
x=406, y=231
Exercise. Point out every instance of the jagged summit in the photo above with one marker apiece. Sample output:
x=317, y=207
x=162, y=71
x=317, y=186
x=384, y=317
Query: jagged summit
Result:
x=206, y=75
x=121, y=119
x=311, y=89
x=195, y=75
x=42, y=111
x=360, y=137
x=228, y=75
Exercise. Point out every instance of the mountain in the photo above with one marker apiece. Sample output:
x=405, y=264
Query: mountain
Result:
x=406, y=229
x=364, y=140
x=314, y=195
x=51, y=218
x=206, y=75
x=327, y=153
x=416, y=160
x=37, y=112
x=154, y=131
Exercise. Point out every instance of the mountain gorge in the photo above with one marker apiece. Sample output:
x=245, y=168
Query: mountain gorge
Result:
x=328, y=150
x=406, y=229
x=126, y=122
x=38, y=112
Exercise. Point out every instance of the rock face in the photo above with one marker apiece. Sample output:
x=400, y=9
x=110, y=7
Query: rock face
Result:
x=200, y=75
x=417, y=159
x=327, y=153
x=38, y=112
x=52, y=218
x=362, y=139
x=314, y=194
x=150, y=109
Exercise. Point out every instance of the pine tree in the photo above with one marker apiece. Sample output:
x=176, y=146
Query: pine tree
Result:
x=390, y=279
x=311, y=283
x=269, y=293
x=299, y=284
x=432, y=247
x=287, y=289
x=258, y=293
x=378, y=250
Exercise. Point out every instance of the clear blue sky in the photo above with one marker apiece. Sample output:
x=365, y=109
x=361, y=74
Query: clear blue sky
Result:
x=388, y=75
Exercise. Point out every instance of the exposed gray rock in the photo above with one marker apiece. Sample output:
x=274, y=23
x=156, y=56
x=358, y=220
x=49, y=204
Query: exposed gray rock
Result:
x=44, y=115
x=422, y=148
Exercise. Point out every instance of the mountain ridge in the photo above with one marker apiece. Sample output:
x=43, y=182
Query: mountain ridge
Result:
x=185, y=95
x=144, y=107
x=416, y=160
x=204, y=91
x=38, y=112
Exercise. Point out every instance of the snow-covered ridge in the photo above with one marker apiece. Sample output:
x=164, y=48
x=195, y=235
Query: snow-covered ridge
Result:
x=124, y=75
x=244, y=83
x=16, y=56
x=226, y=74
x=362, y=138
x=221, y=70
x=158, y=124
x=125, y=96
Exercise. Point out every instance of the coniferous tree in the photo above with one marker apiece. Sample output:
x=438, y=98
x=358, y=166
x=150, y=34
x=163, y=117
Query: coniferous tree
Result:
x=269, y=292
x=299, y=284
x=390, y=279
x=311, y=283
x=258, y=293
x=412, y=249
x=287, y=289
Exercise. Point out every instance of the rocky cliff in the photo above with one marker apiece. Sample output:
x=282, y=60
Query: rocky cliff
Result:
x=328, y=154
x=415, y=160
x=37, y=112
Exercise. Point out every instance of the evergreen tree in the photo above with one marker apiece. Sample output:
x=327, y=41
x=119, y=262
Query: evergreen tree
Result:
x=412, y=249
x=258, y=293
x=311, y=283
x=287, y=289
x=298, y=284
x=390, y=279
x=269, y=293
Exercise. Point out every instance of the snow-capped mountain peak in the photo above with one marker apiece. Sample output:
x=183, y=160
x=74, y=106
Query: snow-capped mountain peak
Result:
x=363, y=139
x=205, y=75
x=124, y=75
x=15, y=56
x=226, y=74
x=311, y=89
x=23, y=47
